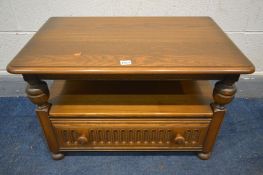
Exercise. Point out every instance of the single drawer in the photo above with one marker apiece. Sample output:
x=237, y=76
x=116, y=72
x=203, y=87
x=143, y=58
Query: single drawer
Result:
x=130, y=134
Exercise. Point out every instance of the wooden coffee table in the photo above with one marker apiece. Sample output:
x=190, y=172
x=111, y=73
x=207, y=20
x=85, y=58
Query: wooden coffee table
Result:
x=130, y=83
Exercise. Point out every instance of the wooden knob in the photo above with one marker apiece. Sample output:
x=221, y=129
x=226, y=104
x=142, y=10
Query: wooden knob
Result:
x=179, y=139
x=82, y=140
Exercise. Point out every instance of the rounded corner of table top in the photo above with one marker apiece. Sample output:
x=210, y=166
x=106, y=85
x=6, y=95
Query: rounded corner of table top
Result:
x=11, y=69
x=251, y=69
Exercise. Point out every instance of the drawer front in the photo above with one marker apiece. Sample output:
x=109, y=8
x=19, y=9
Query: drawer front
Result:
x=130, y=134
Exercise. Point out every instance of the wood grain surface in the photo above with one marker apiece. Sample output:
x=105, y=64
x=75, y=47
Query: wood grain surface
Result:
x=154, y=45
x=130, y=135
x=131, y=99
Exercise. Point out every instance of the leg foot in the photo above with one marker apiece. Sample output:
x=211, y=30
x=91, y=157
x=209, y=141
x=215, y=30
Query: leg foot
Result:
x=204, y=156
x=57, y=156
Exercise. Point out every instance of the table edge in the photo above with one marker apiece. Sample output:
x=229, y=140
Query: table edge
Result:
x=131, y=70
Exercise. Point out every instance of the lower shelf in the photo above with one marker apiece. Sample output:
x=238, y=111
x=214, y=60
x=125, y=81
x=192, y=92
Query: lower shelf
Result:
x=176, y=134
x=130, y=116
x=124, y=99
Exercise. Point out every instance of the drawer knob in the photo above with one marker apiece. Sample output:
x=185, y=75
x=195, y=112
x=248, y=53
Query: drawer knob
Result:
x=82, y=140
x=179, y=139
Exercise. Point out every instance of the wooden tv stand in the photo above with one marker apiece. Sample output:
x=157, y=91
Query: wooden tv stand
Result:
x=130, y=83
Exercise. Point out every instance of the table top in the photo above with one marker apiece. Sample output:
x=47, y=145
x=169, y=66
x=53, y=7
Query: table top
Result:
x=130, y=45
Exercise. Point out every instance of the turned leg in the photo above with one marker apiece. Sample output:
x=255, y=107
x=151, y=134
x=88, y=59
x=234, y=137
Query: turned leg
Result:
x=37, y=91
x=223, y=94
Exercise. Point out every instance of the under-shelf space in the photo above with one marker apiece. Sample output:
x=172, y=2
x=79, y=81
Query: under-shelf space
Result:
x=131, y=99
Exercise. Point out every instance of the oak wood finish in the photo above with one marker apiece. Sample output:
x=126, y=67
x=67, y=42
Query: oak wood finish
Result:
x=37, y=91
x=149, y=109
x=171, y=115
x=223, y=94
x=131, y=134
x=155, y=45
x=131, y=99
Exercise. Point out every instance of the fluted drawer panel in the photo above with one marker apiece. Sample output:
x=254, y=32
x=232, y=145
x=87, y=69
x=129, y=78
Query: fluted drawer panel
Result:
x=139, y=134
